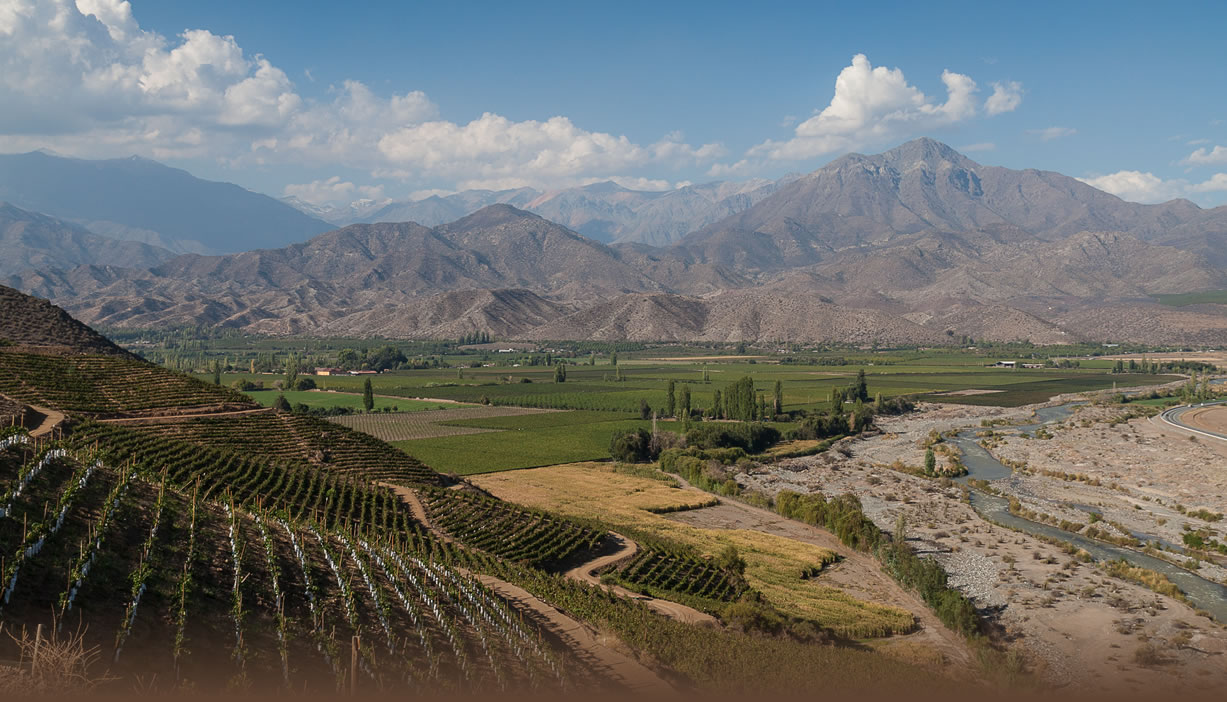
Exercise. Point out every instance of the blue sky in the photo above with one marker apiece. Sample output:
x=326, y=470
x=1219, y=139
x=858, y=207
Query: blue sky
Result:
x=335, y=102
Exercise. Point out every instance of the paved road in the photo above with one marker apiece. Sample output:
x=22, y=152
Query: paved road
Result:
x=1175, y=417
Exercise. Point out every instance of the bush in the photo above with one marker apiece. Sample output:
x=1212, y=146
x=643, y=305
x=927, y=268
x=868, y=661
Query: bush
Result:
x=752, y=438
x=281, y=404
x=632, y=446
x=305, y=383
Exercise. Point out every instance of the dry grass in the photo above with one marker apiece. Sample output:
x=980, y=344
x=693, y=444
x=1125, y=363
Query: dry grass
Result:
x=52, y=664
x=773, y=563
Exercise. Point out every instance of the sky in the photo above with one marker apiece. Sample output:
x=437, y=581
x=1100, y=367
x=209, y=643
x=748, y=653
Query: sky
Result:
x=335, y=102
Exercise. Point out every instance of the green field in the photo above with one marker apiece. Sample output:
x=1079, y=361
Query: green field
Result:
x=526, y=441
x=339, y=399
x=605, y=399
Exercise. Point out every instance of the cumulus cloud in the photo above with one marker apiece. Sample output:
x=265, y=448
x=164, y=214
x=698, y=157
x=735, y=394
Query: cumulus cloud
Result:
x=874, y=104
x=332, y=191
x=82, y=77
x=1050, y=133
x=1207, y=157
x=1006, y=97
x=1146, y=187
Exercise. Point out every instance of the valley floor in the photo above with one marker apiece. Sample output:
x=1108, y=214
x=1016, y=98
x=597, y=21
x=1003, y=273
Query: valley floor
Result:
x=1077, y=625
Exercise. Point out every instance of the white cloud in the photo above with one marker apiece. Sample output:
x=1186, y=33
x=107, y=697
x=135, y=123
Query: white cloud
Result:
x=873, y=105
x=1006, y=97
x=1216, y=183
x=1050, y=133
x=1207, y=157
x=332, y=191
x=982, y=146
x=85, y=79
x=1146, y=187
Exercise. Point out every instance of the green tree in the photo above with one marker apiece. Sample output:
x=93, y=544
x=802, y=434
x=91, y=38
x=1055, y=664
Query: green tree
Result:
x=930, y=463
x=645, y=410
x=560, y=373
x=291, y=372
x=281, y=403
x=613, y=358
x=217, y=372
x=670, y=400
x=717, y=406
x=368, y=395
x=862, y=387
x=779, y=397
x=685, y=403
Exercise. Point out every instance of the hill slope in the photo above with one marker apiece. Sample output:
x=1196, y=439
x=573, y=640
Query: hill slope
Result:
x=29, y=321
x=34, y=241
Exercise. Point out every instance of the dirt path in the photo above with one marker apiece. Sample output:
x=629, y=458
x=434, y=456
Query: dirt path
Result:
x=575, y=635
x=858, y=574
x=585, y=573
x=166, y=418
x=634, y=675
x=51, y=420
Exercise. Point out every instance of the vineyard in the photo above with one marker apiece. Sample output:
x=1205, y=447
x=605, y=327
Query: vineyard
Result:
x=106, y=385
x=406, y=426
x=657, y=572
x=301, y=440
x=199, y=591
x=300, y=491
x=506, y=530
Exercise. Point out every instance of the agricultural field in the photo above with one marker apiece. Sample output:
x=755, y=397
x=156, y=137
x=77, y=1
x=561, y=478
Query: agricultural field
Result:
x=428, y=424
x=107, y=385
x=210, y=596
x=521, y=440
x=353, y=401
x=296, y=440
x=636, y=504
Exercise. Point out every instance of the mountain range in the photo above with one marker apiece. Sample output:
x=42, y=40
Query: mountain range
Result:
x=136, y=199
x=918, y=245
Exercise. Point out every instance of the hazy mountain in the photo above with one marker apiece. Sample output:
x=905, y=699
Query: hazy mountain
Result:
x=35, y=241
x=142, y=200
x=605, y=211
x=867, y=201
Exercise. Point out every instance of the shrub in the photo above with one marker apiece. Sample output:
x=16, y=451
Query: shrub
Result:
x=305, y=383
x=752, y=438
x=632, y=446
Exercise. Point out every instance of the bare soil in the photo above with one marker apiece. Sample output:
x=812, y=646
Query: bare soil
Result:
x=1074, y=624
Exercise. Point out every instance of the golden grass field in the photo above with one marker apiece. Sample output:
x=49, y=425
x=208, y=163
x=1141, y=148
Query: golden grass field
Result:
x=774, y=564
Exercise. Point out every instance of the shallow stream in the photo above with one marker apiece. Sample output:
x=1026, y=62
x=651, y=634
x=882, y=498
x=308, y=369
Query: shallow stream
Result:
x=1202, y=593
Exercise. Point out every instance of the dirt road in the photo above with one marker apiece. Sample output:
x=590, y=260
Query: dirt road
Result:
x=597, y=650
x=586, y=573
x=51, y=420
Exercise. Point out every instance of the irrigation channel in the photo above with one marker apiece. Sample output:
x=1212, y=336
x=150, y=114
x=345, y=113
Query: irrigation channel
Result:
x=1203, y=594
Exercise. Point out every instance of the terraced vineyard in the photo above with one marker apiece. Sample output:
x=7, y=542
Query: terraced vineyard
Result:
x=506, y=530
x=107, y=385
x=653, y=571
x=202, y=592
x=296, y=439
x=299, y=491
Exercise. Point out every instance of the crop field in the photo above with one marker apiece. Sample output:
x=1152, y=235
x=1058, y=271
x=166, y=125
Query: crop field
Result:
x=102, y=385
x=521, y=441
x=317, y=399
x=298, y=440
x=656, y=572
x=630, y=503
x=210, y=596
x=507, y=530
x=428, y=424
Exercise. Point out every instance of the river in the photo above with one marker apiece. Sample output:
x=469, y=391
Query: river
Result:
x=1202, y=593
